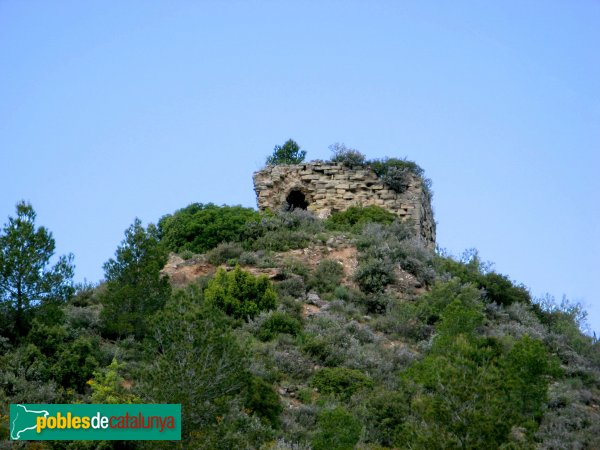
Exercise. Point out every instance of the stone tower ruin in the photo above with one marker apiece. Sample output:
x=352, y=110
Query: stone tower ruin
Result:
x=325, y=188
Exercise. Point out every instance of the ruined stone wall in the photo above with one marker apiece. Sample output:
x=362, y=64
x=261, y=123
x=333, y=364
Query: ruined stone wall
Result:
x=327, y=187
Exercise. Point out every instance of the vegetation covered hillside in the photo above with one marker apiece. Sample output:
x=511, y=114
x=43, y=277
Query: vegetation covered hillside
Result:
x=279, y=330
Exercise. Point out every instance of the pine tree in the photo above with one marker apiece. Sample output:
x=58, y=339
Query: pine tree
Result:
x=27, y=280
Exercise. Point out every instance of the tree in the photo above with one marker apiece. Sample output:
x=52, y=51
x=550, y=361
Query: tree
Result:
x=196, y=360
x=472, y=391
x=135, y=287
x=27, y=280
x=288, y=153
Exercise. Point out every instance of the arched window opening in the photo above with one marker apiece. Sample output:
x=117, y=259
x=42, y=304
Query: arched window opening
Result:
x=296, y=200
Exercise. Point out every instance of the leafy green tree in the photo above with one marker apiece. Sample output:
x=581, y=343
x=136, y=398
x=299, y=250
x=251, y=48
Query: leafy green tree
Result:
x=135, y=288
x=471, y=392
x=240, y=294
x=498, y=288
x=201, y=227
x=288, y=153
x=194, y=360
x=27, y=280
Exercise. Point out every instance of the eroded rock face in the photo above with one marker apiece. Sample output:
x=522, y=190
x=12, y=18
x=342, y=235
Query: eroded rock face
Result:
x=324, y=188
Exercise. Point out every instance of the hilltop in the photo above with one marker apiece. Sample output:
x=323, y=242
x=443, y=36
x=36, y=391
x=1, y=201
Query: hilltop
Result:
x=286, y=328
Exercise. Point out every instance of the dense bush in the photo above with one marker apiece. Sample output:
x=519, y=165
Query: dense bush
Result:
x=340, y=381
x=449, y=390
x=498, y=288
x=347, y=156
x=381, y=166
x=377, y=303
x=468, y=362
x=432, y=304
x=356, y=216
x=201, y=227
x=240, y=294
x=194, y=359
x=224, y=252
x=262, y=400
x=282, y=231
x=385, y=413
x=395, y=243
x=278, y=322
x=292, y=286
x=373, y=275
x=398, y=173
x=338, y=430
x=327, y=276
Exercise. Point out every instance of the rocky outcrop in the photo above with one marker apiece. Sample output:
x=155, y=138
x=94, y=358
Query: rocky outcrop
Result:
x=324, y=188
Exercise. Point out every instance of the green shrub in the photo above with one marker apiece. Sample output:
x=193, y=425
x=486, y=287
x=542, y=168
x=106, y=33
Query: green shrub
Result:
x=432, y=304
x=291, y=306
x=356, y=216
x=396, y=174
x=418, y=268
x=282, y=231
x=279, y=322
x=201, y=227
x=293, y=286
x=498, y=288
x=384, y=415
x=395, y=242
x=248, y=259
x=327, y=276
x=342, y=292
x=374, y=275
x=378, y=236
x=381, y=166
x=473, y=392
x=377, y=303
x=224, y=252
x=262, y=400
x=347, y=156
x=340, y=381
x=322, y=349
x=338, y=430
x=566, y=320
x=240, y=294
x=282, y=240
x=186, y=254
x=76, y=363
x=398, y=180
x=294, y=267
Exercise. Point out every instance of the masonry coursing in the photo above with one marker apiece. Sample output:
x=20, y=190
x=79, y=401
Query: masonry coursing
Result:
x=330, y=187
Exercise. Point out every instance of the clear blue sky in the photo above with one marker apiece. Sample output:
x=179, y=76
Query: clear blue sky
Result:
x=115, y=109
